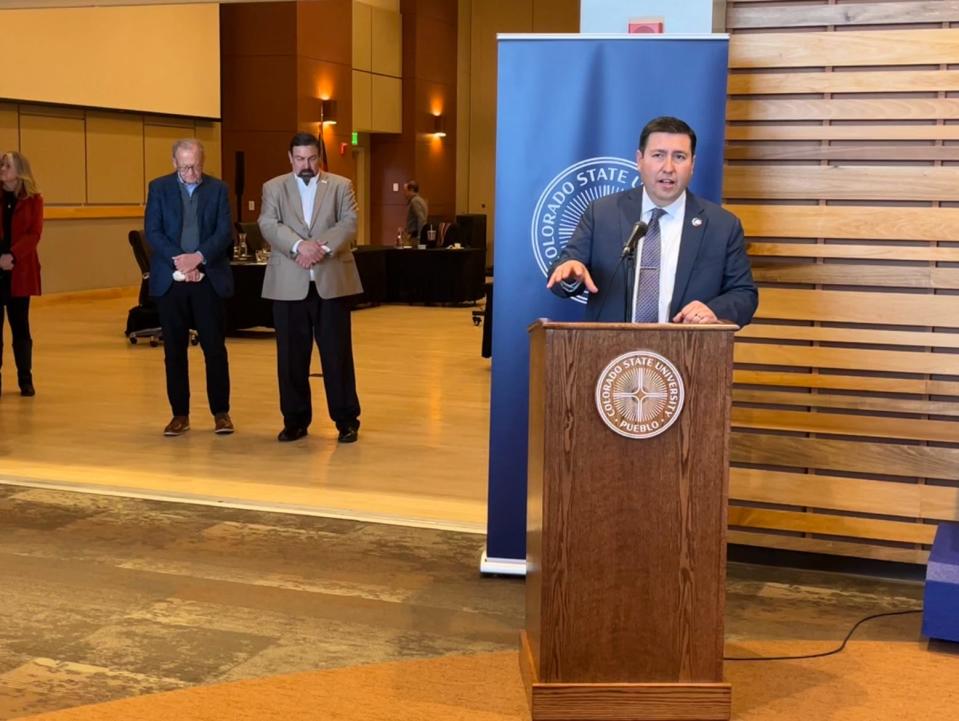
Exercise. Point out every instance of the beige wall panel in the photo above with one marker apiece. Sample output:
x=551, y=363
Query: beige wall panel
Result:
x=846, y=401
x=830, y=492
x=872, y=458
x=796, y=221
x=911, y=81
x=817, y=151
x=362, y=33
x=850, y=335
x=825, y=524
x=91, y=212
x=867, y=13
x=387, y=43
x=854, y=307
x=386, y=104
x=834, y=548
x=88, y=254
x=392, y=5
x=9, y=127
x=55, y=147
x=464, y=141
x=362, y=98
x=845, y=274
x=158, y=146
x=489, y=17
x=842, y=182
x=129, y=58
x=114, y=158
x=847, y=359
x=879, y=47
x=846, y=424
x=939, y=503
x=916, y=386
x=208, y=133
x=865, y=495
x=853, y=252
x=871, y=109
x=927, y=131
x=556, y=16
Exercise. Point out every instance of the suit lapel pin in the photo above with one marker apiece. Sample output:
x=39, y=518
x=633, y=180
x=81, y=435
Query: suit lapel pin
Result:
x=696, y=222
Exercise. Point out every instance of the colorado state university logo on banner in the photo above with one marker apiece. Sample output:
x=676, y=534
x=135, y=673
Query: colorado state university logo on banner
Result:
x=565, y=198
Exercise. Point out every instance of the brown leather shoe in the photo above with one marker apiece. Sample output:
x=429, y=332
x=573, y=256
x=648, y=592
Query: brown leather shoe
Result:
x=222, y=424
x=178, y=426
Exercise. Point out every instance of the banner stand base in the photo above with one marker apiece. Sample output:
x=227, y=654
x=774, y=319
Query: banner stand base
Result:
x=502, y=566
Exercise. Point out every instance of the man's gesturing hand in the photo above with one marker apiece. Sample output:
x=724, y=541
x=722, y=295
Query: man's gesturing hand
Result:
x=572, y=270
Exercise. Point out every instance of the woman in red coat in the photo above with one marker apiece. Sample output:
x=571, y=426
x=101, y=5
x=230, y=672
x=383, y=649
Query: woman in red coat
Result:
x=21, y=222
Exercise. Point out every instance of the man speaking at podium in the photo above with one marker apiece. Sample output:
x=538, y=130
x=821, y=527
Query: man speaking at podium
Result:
x=689, y=254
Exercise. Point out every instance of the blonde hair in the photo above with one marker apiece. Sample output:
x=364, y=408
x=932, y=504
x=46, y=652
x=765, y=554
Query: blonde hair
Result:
x=28, y=186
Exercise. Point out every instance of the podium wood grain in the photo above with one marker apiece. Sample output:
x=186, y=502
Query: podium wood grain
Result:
x=626, y=538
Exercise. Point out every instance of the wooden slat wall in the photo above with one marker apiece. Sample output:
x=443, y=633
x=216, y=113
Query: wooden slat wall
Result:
x=842, y=161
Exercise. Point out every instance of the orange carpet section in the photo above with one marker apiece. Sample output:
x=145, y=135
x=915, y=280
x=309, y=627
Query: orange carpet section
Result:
x=485, y=687
x=871, y=681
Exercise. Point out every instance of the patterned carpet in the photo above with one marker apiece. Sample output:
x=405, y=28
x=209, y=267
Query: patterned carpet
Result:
x=897, y=677
x=110, y=602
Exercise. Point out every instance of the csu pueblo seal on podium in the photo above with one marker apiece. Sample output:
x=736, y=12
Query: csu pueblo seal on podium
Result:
x=640, y=394
x=562, y=202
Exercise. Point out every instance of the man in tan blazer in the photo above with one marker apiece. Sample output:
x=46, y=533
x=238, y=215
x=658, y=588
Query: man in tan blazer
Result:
x=309, y=219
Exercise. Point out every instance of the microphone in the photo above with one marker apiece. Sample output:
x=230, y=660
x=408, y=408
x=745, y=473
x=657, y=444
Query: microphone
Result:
x=629, y=251
x=639, y=231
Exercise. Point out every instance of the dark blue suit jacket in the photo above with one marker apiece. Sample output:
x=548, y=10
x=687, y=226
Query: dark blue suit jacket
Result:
x=713, y=266
x=164, y=224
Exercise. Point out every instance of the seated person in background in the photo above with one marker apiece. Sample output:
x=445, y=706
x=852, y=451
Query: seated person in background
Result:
x=449, y=235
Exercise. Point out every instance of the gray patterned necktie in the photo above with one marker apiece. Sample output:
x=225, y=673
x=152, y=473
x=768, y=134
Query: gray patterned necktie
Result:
x=646, y=308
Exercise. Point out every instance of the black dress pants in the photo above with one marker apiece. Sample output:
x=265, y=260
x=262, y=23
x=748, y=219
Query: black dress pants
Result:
x=18, y=311
x=186, y=306
x=298, y=324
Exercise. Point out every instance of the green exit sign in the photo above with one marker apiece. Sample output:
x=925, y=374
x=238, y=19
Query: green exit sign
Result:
x=355, y=138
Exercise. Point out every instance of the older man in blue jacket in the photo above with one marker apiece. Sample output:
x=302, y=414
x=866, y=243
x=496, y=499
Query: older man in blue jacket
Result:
x=691, y=265
x=190, y=232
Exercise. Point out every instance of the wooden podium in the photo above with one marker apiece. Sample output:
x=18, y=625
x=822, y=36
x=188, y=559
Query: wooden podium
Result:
x=626, y=537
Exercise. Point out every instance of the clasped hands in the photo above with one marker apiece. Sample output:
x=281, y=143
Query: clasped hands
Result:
x=309, y=253
x=575, y=271
x=188, y=265
x=6, y=261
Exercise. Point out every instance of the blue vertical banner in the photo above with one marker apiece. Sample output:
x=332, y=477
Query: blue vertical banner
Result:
x=569, y=112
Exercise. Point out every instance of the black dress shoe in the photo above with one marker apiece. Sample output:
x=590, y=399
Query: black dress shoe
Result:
x=291, y=433
x=28, y=390
x=350, y=434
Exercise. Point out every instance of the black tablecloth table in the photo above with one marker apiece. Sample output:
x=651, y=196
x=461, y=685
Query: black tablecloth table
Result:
x=248, y=308
x=371, y=262
x=435, y=275
x=396, y=275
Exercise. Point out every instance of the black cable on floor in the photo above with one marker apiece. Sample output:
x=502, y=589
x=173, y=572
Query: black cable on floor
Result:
x=836, y=650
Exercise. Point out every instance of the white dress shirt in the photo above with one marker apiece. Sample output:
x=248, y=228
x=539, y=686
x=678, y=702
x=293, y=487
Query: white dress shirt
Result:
x=670, y=235
x=307, y=198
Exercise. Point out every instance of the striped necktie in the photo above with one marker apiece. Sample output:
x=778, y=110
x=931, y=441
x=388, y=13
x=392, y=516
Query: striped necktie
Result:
x=646, y=297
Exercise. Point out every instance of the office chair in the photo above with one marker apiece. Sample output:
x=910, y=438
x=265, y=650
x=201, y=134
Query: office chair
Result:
x=143, y=320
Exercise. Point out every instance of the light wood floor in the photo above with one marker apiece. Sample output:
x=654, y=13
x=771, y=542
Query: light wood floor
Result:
x=96, y=422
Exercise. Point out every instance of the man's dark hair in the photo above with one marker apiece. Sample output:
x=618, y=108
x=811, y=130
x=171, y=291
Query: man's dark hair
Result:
x=412, y=185
x=302, y=140
x=667, y=124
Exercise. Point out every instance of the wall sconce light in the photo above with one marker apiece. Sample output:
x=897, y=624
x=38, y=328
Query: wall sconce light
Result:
x=327, y=112
x=439, y=126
